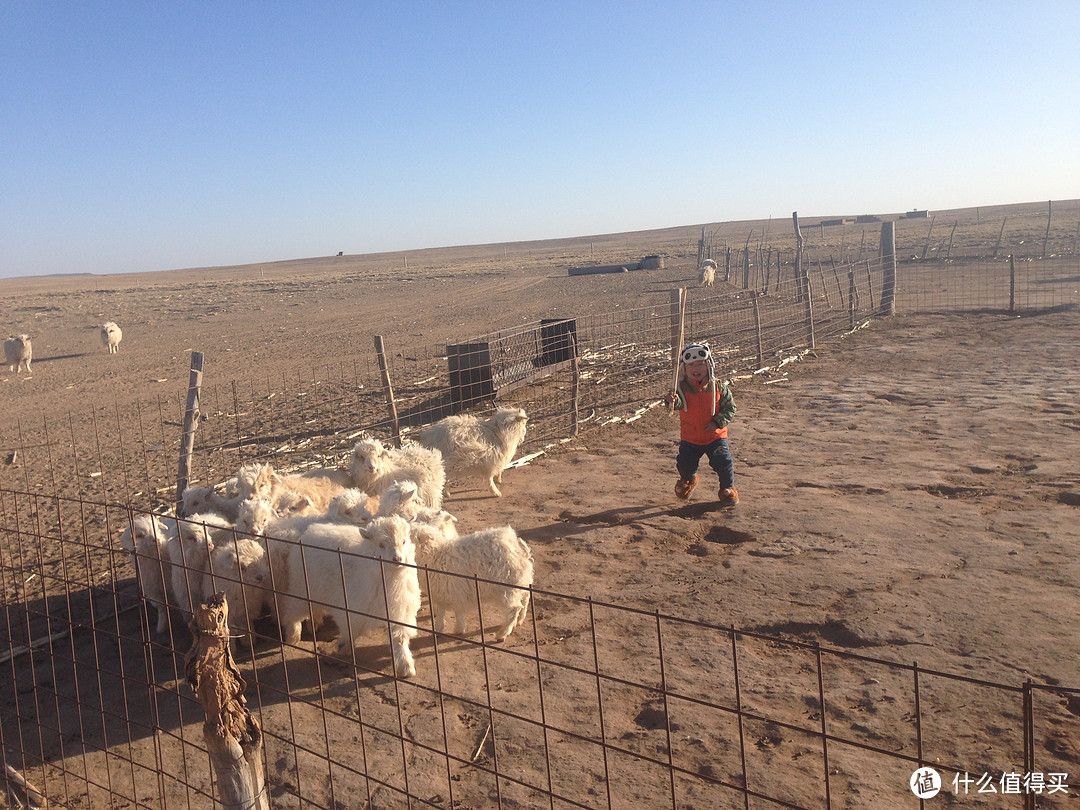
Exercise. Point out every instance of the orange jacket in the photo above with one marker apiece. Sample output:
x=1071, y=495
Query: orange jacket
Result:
x=697, y=424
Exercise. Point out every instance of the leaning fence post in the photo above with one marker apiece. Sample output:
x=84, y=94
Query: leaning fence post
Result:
x=1012, y=283
x=888, y=266
x=191, y=422
x=388, y=389
x=232, y=734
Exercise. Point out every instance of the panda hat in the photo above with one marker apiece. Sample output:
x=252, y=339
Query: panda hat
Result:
x=693, y=352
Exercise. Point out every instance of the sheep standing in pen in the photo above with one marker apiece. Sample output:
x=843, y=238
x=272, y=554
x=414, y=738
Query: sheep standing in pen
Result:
x=237, y=568
x=189, y=554
x=495, y=562
x=200, y=500
x=478, y=446
x=146, y=539
x=374, y=467
x=306, y=493
x=707, y=272
x=111, y=336
x=350, y=506
x=308, y=583
x=18, y=352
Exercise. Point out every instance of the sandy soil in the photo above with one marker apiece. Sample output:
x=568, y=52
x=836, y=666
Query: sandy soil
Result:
x=909, y=494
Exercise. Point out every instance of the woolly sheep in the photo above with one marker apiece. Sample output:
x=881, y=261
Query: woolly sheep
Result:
x=200, y=500
x=470, y=445
x=374, y=467
x=238, y=568
x=350, y=506
x=708, y=272
x=190, y=557
x=308, y=583
x=400, y=499
x=502, y=566
x=111, y=336
x=146, y=539
x=18, y=352
x=298, y=494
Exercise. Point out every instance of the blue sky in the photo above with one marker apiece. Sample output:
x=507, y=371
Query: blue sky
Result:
x=142, y=136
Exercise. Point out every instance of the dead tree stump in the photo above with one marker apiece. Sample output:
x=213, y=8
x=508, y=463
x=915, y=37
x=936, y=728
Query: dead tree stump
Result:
x=232, y=734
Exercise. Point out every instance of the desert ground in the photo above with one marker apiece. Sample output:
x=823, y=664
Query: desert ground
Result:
x=909, y=493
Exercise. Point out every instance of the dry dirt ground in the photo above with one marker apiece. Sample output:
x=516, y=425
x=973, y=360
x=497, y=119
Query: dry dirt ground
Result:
x=910, y=493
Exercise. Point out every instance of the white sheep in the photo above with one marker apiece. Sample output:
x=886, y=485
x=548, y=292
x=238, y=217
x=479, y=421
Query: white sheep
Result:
x=350, y=506
x=199, y=500
x=111, y=336
x=478, y=446
x=374, y=467
x=400, y=498
x=146, y=539
x=18, y=352
x=707, y=270
x=495, y=562
x=189, y=554
x=238, y=568
x=309, y=584
x=306, y=493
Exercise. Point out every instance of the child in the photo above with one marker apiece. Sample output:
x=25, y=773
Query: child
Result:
x=705, y=408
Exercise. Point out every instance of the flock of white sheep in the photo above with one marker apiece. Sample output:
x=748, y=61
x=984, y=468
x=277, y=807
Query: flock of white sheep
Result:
x=19, y=349
x=357, y=544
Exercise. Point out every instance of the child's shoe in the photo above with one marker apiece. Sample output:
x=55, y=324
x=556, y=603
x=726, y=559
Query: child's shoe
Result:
x=685, y=487
x=728, y=496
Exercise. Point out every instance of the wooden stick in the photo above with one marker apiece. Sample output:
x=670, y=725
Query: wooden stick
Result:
x=679, y=345
x=34, y=797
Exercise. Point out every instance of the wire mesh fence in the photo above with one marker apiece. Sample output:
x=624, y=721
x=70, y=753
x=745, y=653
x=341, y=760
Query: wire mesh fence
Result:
x=626, y=708
x=95, y=711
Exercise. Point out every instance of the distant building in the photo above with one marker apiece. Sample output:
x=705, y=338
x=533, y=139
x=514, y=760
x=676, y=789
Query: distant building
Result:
x=916, y=214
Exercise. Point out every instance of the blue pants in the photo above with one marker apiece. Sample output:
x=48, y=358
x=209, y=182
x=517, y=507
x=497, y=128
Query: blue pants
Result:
x=719, y=459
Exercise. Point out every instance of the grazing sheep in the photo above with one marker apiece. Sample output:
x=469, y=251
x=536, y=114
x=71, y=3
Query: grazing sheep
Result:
x=708, y=272
x=374, y=467
x=18, y=352
x=309, y=585
x=111, y=336
x=146, y=539
x=190, y=557
x=470, y=445
x=501, y=564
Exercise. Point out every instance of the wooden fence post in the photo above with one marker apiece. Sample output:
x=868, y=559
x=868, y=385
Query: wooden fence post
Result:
x=1012, y=284
x=997, y=245
x=388, y=390
x=888, y=266
x=799, y=274
x=232, y=734
x=851, y=296
x=757, y=331
x=575, y=385
x=191, y=423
